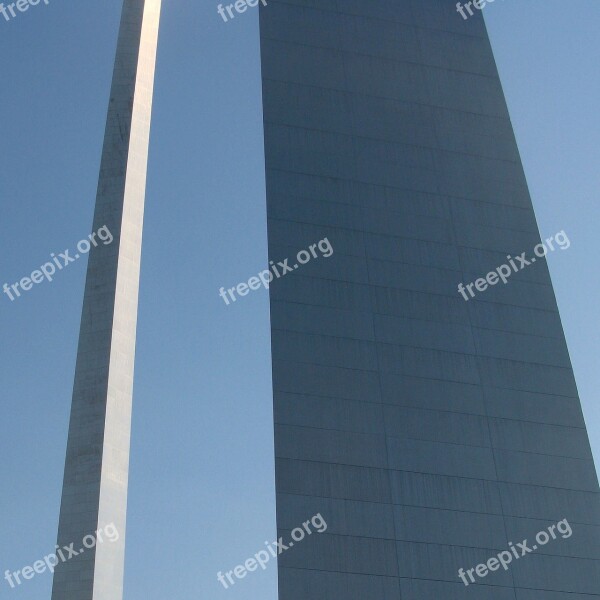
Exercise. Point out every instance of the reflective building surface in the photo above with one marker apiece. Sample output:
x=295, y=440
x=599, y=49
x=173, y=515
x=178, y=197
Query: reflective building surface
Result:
x=431, y=432
x=95, y=485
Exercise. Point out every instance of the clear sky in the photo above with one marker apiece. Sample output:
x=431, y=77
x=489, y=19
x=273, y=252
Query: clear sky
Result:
x=201, y=486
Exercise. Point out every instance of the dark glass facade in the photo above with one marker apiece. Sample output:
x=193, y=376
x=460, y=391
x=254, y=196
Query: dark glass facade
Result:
x=429, y=431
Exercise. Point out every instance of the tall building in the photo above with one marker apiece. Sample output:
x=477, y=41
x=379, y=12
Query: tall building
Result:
x=96, y=469
x=431, y=432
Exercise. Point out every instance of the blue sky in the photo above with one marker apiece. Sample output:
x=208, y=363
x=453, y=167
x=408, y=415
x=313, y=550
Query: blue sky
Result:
x=201, y=487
